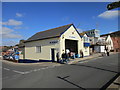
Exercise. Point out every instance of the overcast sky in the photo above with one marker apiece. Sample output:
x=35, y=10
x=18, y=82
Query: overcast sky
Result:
x=23, y=19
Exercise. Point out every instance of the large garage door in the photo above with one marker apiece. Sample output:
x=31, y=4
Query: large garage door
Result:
x=72, y=45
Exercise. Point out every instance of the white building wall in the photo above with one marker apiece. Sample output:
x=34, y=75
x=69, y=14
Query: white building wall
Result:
x=102, y=48
x=110, y=43
x=86, y=50
x=45, y=54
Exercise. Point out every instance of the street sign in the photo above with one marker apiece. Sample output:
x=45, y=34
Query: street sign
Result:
x=113, y=5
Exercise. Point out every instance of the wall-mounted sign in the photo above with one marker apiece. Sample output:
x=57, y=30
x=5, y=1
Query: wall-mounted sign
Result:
x=86, y=44
x=53, y=42
x=72, y=37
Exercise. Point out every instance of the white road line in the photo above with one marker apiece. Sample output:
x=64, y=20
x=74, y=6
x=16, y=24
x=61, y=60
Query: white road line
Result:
x=7, y=69
x=35, y=70
x=43, y=68
x=27, y=72
x=39, y=69
x=18, y=72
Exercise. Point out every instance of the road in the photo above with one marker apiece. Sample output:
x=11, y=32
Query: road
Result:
x=95, y=73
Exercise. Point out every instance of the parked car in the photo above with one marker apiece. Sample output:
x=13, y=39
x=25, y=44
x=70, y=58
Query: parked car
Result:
x=5, y=57
x=8, y=57
x=11, y=57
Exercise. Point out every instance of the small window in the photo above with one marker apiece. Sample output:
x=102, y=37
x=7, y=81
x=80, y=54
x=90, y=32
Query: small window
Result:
x=38, y=49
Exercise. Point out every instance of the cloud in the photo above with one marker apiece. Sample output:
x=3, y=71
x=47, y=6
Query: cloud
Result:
x=111, y=31
x=5, y=30
x=79, y=30
x=19, y=15
x=11, y=36
x=109, y=14
x=0, y=23
x=9, y=43
x=12, y=22
x=17, y=27
x=9, y=33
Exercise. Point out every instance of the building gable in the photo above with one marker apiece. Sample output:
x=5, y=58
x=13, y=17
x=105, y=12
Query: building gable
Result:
x=71, y=33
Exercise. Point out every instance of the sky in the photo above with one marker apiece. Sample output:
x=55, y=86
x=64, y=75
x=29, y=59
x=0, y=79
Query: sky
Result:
x=21, y=20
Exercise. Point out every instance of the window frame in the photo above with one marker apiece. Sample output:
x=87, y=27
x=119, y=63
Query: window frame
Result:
x=38, y=49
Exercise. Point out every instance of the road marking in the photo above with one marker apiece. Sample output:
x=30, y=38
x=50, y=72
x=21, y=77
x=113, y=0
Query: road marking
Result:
x=27, y=72
x=35, y=70
x=7, y=69
x=18, y=72
x=39, y=69
x=43, y=68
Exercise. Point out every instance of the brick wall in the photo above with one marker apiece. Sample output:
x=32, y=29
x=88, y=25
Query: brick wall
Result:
x=116, y=43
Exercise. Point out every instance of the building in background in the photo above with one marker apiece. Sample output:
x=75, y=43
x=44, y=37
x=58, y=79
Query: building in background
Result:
x=86, y=43
x=115, y=36
x=107, y=41
x=97, y=43
x=93, y=33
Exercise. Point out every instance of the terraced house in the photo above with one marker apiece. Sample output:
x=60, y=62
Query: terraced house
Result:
x=46, y=44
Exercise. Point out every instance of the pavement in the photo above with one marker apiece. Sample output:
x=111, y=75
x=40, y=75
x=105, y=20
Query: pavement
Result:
x=115, y=84
x=94, y=56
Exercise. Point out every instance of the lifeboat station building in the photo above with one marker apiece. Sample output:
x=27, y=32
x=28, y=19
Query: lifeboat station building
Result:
x=46, y=44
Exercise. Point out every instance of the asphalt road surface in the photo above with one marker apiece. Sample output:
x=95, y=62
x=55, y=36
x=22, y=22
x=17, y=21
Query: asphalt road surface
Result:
x=95, y=73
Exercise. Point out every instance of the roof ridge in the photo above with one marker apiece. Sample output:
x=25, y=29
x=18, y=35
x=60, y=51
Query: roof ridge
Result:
x=54, y=28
